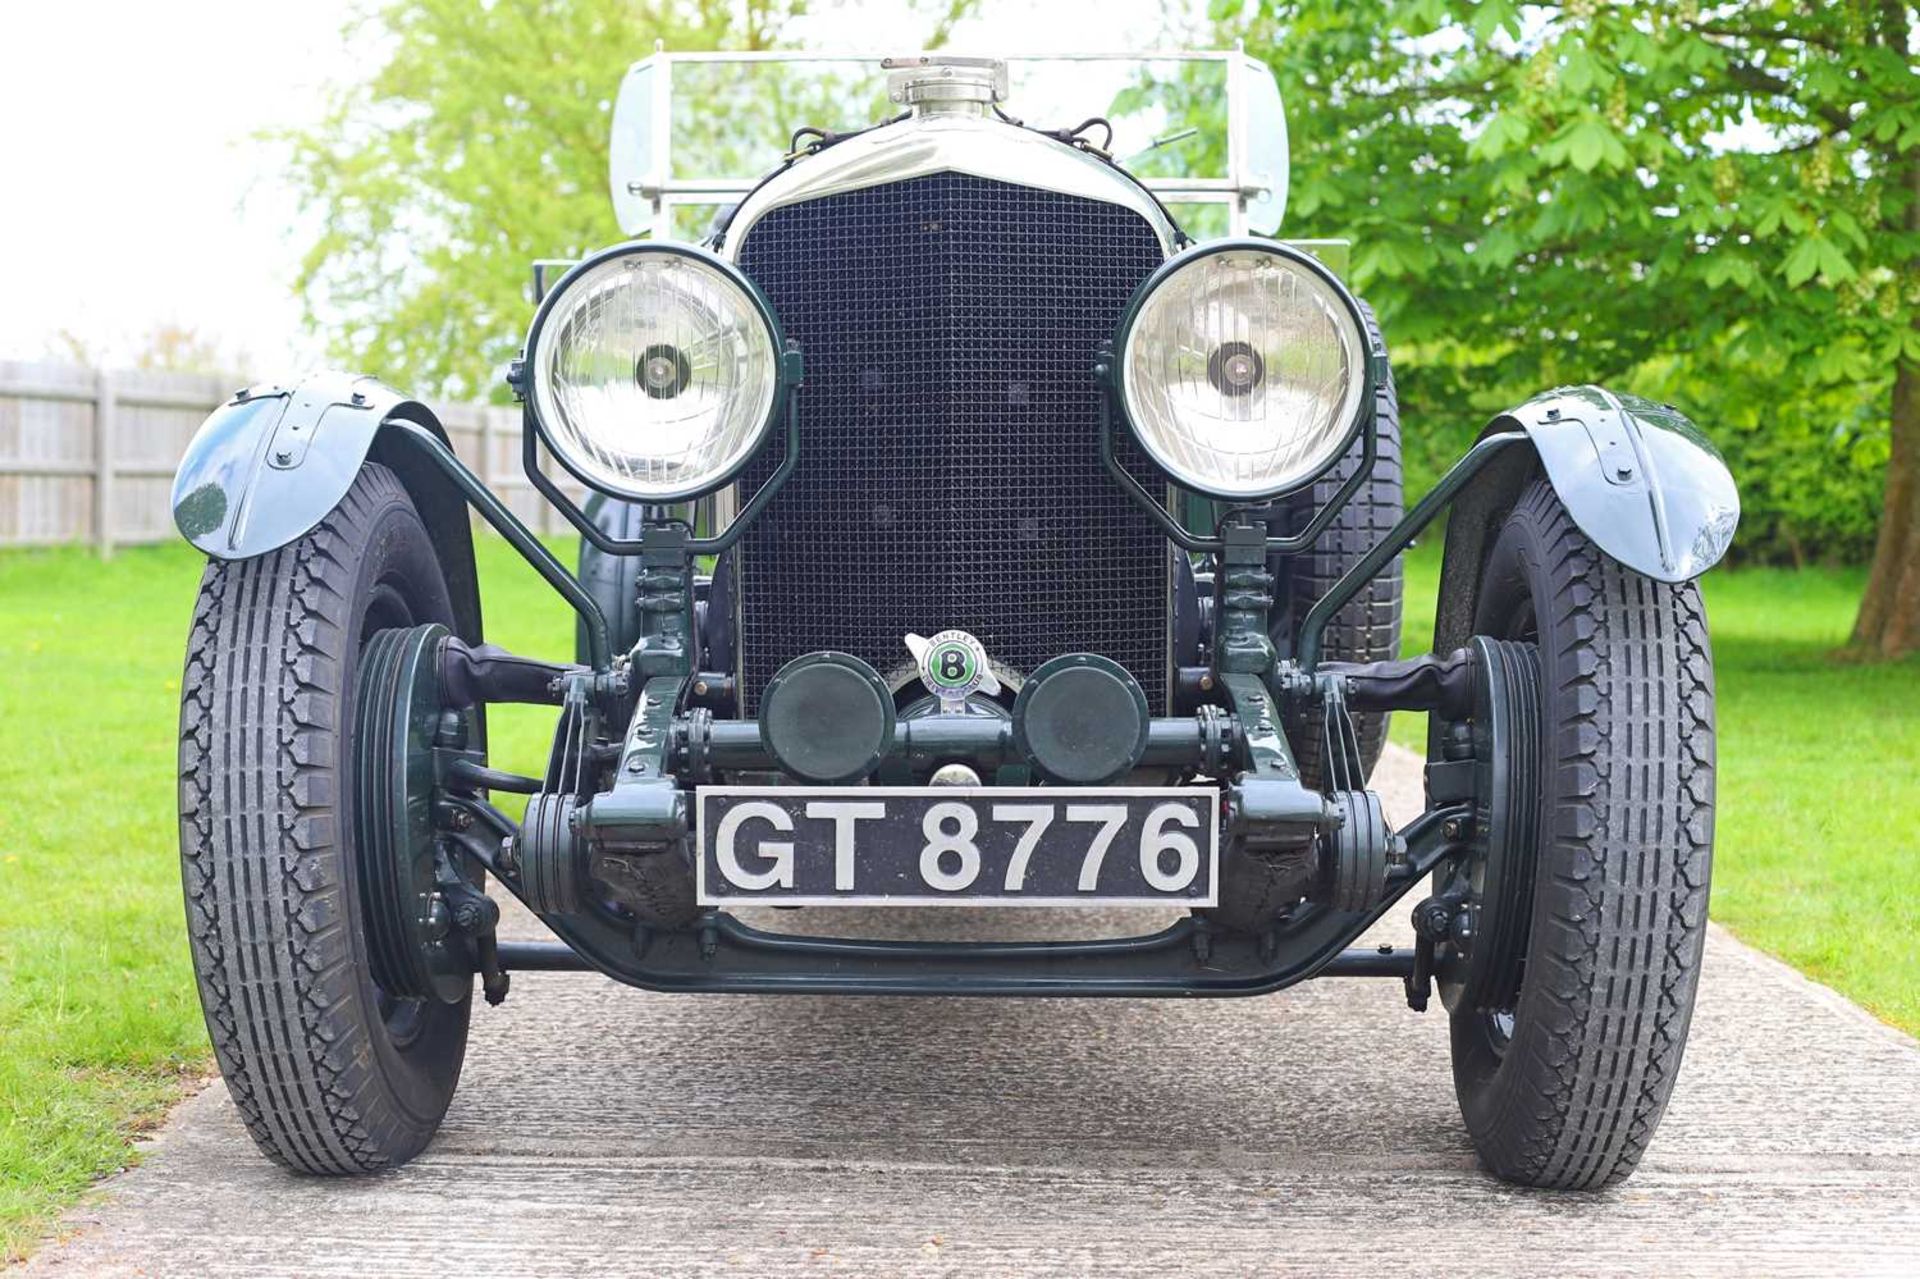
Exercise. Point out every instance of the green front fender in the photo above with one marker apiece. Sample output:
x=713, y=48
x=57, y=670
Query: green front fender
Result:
x=1638, y=478
x=265, y=468
x=268, y=465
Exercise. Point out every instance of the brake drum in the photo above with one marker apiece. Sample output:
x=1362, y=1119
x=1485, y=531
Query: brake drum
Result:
x=1480, y=964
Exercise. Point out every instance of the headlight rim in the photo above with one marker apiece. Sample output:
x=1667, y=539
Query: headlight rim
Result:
x=1368, y=375
x=782, y=376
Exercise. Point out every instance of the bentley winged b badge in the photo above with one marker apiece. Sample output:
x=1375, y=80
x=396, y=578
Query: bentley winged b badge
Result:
x=953, y=666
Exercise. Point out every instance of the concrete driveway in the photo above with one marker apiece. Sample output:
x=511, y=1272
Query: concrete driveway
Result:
x=601, y=1130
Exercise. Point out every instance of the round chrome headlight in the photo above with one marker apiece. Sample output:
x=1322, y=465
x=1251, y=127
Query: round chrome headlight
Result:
x=1244, y=369
x=654, y=372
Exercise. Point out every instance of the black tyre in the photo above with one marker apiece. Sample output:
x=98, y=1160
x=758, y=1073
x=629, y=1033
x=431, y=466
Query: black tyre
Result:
x=330, y=1073
x=613, y=580
x=1565, y=1088
x=1368, y=628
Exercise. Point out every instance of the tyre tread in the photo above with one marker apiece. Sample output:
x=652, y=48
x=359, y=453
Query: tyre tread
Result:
x=266, y=907
x=1368, y=628
x=1620, y=920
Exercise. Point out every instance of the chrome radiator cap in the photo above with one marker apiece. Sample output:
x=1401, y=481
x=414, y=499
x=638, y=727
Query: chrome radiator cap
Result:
x=934, y=84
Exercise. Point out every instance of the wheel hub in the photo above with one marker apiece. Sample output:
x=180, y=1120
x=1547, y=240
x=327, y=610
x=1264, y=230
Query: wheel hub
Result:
x=1479, y=964
x=399, y=856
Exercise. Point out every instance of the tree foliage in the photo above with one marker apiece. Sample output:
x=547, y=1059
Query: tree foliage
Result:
x=476, y=143
x=1706, y=202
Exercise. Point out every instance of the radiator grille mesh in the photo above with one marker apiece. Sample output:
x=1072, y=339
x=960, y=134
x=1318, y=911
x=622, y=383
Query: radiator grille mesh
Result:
x=950, y=474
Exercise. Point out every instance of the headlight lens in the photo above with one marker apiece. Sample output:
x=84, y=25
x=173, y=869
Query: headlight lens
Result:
x=1242, y=370
x=654, y=372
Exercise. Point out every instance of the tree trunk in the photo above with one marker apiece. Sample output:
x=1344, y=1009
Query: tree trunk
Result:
x=1889, y=621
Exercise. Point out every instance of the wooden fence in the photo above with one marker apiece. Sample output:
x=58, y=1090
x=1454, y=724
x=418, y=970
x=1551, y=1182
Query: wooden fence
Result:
x=88, y=456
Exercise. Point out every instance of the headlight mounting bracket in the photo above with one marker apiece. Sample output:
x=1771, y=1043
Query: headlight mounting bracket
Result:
x=793, y=370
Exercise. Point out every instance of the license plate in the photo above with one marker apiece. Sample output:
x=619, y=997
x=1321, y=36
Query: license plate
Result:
x=944, y=845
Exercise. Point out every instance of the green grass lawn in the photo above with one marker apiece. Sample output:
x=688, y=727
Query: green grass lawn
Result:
x=99, y=1027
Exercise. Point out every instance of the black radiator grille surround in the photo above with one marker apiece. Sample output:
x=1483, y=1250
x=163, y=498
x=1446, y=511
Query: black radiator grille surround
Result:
x=950, y=469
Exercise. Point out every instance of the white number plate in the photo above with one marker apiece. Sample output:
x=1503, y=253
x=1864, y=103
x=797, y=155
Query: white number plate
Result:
x=946, y=845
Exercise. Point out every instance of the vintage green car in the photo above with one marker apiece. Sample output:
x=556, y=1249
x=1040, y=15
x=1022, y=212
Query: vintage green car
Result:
x=962, y=531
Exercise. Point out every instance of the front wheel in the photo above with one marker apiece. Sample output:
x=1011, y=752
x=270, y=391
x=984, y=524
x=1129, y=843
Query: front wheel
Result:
x=332, y=1072
x=1564, y=1060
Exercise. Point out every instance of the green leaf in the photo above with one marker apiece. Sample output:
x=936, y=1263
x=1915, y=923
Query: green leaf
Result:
x=1849, y=226
x=1901, y=121
x=1725, y=268
x=1834, y=267
x=1494, y=16
x=1511, y=179
x=1802, y=262
x=1580, y=70
x=1591, y=142
x=1842, y=361
x=1380, y=258
x=1817, y=255
x=1500, y=246
x=1503, y=133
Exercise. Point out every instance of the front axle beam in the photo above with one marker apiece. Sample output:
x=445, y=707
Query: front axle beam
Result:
x=1354, y=961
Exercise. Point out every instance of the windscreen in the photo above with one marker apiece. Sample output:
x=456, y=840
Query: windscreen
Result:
x=693, y=131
